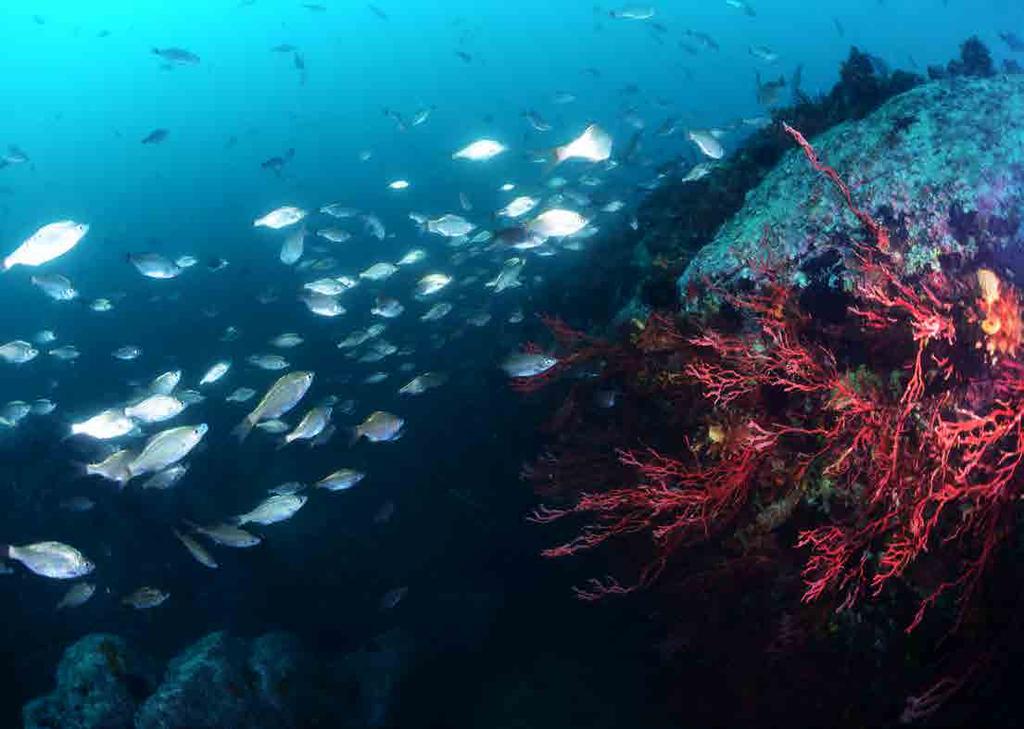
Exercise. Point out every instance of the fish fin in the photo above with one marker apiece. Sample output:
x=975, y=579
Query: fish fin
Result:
x=283, y=443
x=354, y=435
x=242, y=430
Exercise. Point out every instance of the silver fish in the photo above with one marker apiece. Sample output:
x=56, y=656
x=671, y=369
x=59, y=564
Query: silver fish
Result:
x=197, y=550
x=51, y=559
x=167, y=448
x=282, y=396
x=273, y=509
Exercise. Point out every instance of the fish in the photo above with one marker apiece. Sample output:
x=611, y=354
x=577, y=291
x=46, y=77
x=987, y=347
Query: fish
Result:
x=465, y=57
x=77, y=595
x=421, y=383
x=46, y=244
x=127, y=352
x=340, y=480
x=707, y=143
x=65, y=353
x=536, y=121
x=311, y=425
x=508, y=277
x=422, y=115
x=437, y=311
x=282, y=396
x=322, y=305
x=57, y=287
x=398, y=185
x=276, y=164
x=593, y=145
x=44, y=336
x=165, y=383
x=109, y=424
x=379, y=271
x=400, y=124
x=293, y=247
x=167, y=448
x=145, y=598
x=226, y=535
x=763, y=53
x=374, y=226
x=242, y=394
x=520, y=237
x=154, y=265
x=273, y=509
x=155, y=409
x=378, y=12
x=155, y=137
x=287, y=340
x=557, y=223
x=176, y=55
x=632, y=13
x=480, y=151
x=449, y=226
x=284, y=48
x=379, y=427
x=274, y=426
x=432, y=283
x=698, y=172
x=43, y=406
x=13, y=156
x=55, y=560
x=334, y=235
x=337, y=210
x=281, y=217
x=412, y=257
x=289, y=487
x=528, y=364
x=269, y=362
x=768, y=92
x=704, y=39
x=197, y=550
x=742, y=5
x=387, y=307
x=391, y=598
x=216, y=372
x=165, y=479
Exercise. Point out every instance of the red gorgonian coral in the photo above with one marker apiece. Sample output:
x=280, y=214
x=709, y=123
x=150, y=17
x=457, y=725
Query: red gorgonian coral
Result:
x=915, y=440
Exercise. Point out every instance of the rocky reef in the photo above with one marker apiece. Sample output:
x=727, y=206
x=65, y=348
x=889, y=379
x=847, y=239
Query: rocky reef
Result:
x=941, y=166
x=220, y=682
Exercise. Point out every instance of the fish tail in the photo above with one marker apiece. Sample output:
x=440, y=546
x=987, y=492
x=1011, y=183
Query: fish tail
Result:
x=283, y=443
x=354, y=435
x=242, y=430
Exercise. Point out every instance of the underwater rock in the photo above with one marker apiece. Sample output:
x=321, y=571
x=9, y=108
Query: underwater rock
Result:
x=940, y=165
x=208, y=685
x=374, y=674
x=100, y=683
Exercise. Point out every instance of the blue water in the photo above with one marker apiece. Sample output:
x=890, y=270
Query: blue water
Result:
x=80, y=89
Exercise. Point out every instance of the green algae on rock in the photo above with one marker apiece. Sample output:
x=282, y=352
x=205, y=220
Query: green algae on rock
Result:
x=940, y=165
